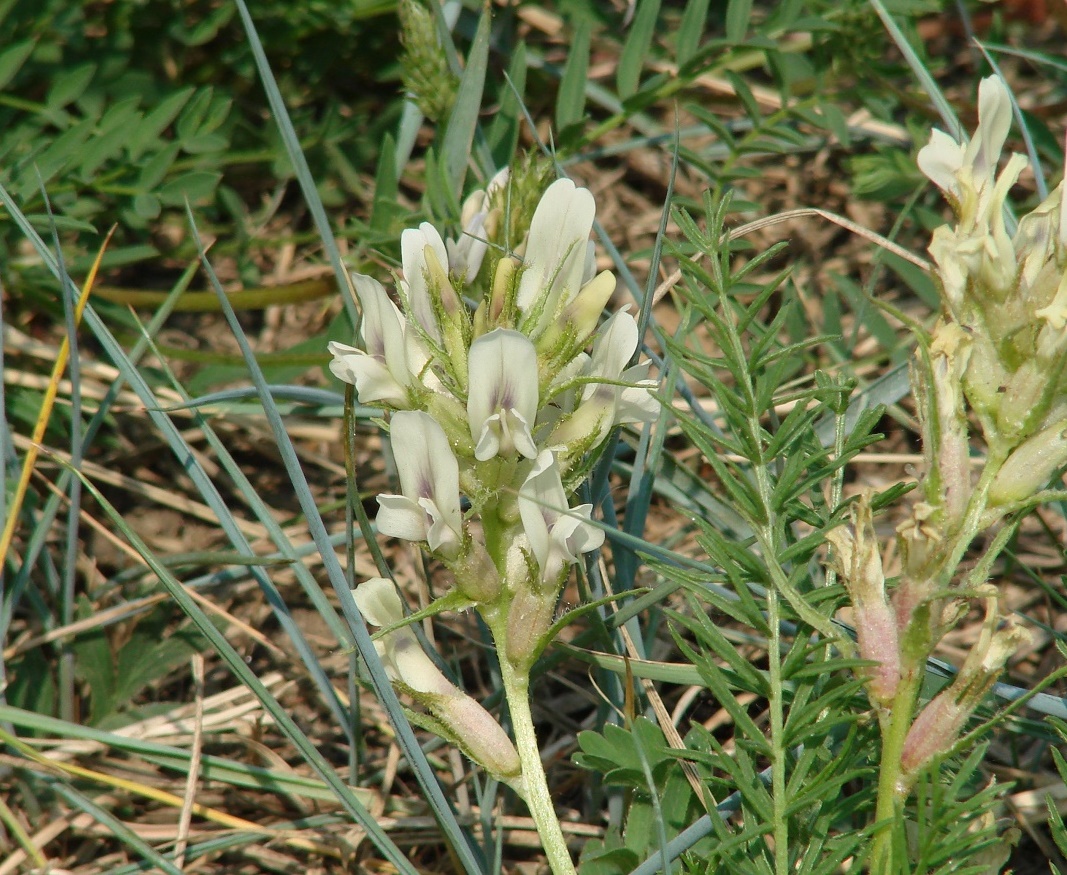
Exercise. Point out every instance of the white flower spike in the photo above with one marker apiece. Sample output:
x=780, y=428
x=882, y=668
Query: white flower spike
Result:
x=502, y=394
x=557, y=535
x=428, y=510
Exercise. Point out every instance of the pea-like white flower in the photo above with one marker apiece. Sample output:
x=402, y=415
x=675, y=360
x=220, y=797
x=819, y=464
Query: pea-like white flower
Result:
x=425, y=260
x=428, y=510
x=502, y=394
x=558, y=534
x=558, y=262
x=394, y=356
x=952, y=166
x=614, y=394
x=402, y=655
x=556, y=247
x=459, y=717
x=478, y=220
x=978, y=247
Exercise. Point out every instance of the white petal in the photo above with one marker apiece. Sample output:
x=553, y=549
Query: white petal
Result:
x=378, y=602
x=556, y=247
x=994, y=122
x=416, y=246
x=636, y=403
x=400, y=517
x=424, y=458
x=539, y=501
x=612, y=350
x=414, y=667
x=573, y=535
x=558, y=534
x=444, y=532
x=372, y=379
x=502, y=393
x=940, y=160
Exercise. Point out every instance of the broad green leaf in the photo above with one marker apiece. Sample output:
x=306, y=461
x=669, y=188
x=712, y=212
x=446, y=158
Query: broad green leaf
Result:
x=154, y=170
x=156, y=122
x=63, y=150
x=192, y=115
x=195, y=186
x=69, y=86
x=12, y=59
x=632, y=59
x=107, y=146
x=570, y=101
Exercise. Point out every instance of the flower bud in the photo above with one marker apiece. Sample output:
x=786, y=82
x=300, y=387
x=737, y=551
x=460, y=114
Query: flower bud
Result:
x=945, y=441
x=476, y=575
x=462, y=719
x=857, y=560
x=529, y=618
x=935, y=730
x=1029, y=468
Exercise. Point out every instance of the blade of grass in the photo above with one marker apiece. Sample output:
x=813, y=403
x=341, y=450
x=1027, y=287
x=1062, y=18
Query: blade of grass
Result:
x=45, y=412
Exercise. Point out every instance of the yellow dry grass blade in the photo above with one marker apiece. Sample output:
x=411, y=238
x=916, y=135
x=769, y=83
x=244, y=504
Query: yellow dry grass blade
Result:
x=171, y=800
x=46, y=409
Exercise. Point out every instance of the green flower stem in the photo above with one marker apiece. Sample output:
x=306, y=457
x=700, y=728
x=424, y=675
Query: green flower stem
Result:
x=891, y=789
x=538, y=798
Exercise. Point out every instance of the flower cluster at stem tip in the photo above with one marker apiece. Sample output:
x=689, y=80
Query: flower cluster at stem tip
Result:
x=1005, y=333
x=500, y=401
x=999, y=353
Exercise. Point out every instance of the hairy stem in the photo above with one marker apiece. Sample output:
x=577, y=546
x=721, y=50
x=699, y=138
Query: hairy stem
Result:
x=538, y=798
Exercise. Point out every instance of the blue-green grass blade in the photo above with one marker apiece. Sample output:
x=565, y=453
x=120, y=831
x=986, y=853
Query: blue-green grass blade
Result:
x=115, y=827
x=503, y=134
x=300, y=165
x=443, y=812
x=69, y=295
x=200, y=478
x=918, y=69
x=307, y=580
x=411, y=119
x=40, y=527
x=213, y=768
